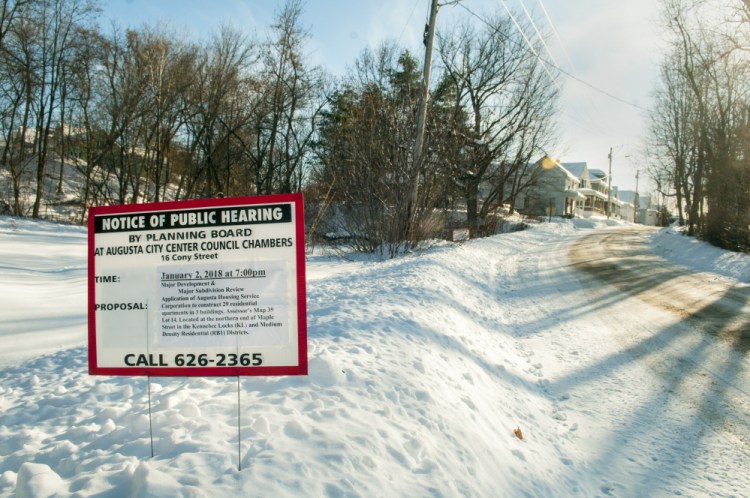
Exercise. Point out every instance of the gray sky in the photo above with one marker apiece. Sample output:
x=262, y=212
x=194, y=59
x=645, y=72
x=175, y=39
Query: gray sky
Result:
x=612, y=45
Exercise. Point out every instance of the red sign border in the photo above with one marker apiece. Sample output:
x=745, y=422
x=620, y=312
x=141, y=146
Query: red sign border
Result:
x=297, y=200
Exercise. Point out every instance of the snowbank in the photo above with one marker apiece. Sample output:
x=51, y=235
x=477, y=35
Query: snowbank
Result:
x=673, y=245
x=419, y=385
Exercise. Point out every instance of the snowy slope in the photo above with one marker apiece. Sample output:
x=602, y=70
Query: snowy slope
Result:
x=420, y=370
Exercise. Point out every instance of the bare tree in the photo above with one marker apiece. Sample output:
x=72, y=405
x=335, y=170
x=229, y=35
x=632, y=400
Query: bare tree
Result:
x=364, y=151
x=289, y=104
x=83, y=100
x=168, y=65
x=57, y=21
x=18, y=84
x=219, y=113
x=9, y=10
x=502, y=111
x=709, y=63
x=673, y=127
x=121, y=87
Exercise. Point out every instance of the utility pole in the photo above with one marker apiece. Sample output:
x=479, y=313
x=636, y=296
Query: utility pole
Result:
x=609, y=186
x=422, y=115
x=637, y=202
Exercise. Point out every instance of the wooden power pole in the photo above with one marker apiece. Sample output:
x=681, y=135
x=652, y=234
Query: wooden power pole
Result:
x=422, y=115
x=609, y=185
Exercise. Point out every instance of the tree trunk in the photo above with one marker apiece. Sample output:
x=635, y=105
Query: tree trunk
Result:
x=472, y=203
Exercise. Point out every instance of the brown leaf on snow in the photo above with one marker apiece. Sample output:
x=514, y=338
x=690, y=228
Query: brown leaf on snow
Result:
x=518, y=433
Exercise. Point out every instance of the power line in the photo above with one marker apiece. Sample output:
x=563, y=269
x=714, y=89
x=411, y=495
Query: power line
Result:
x=528, y=43
x=565, y=52
x=536, y=30
x=603, y=92
x=413, y=9
x=544, y=61
x=556, y=33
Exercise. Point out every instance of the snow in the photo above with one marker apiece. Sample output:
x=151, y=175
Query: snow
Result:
x=674, y=245
x=422, y=369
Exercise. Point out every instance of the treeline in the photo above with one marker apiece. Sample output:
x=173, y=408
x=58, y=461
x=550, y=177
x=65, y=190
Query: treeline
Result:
x=700, y=128
x=149, y=116
x=490, y=113
x=153, y=116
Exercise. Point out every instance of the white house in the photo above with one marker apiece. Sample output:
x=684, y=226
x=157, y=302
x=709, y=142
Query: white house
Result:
x=648, y=212
x=570, y=189
x=556, y=192
x=574, y=189
x=627, y=210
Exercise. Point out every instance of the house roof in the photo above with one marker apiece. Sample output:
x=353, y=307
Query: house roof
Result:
x=597, y=173
x=576, y=169
x=567, y=172
x=627, y=196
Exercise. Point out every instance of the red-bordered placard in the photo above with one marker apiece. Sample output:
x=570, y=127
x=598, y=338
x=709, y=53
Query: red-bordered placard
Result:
x=212, y=287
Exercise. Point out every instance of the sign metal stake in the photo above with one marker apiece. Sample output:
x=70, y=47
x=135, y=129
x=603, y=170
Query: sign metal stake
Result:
x=239, y=433
x=150, y=426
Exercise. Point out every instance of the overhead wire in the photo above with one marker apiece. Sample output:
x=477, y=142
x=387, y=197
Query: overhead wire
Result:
x=579, y=117
x=528, y=44
x=566, y=53
x=557, y=67
x=408, y=20
x=556, y=33
x=536, y=30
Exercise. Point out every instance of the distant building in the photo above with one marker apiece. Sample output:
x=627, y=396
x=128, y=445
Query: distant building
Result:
x=556, y=193
x=648, y=211
x=574, y=189
x=627, y=210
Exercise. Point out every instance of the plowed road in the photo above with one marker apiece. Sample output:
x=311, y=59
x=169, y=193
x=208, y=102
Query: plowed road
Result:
x=711, y=303
x=691, y=329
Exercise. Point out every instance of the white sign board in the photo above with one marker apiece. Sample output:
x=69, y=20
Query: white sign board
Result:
x=211, y=287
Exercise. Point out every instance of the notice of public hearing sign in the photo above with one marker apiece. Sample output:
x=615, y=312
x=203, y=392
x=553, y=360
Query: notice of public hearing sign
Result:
x=198, y=288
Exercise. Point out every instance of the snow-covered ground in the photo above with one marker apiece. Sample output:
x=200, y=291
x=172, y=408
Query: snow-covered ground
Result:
x=422, y=371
